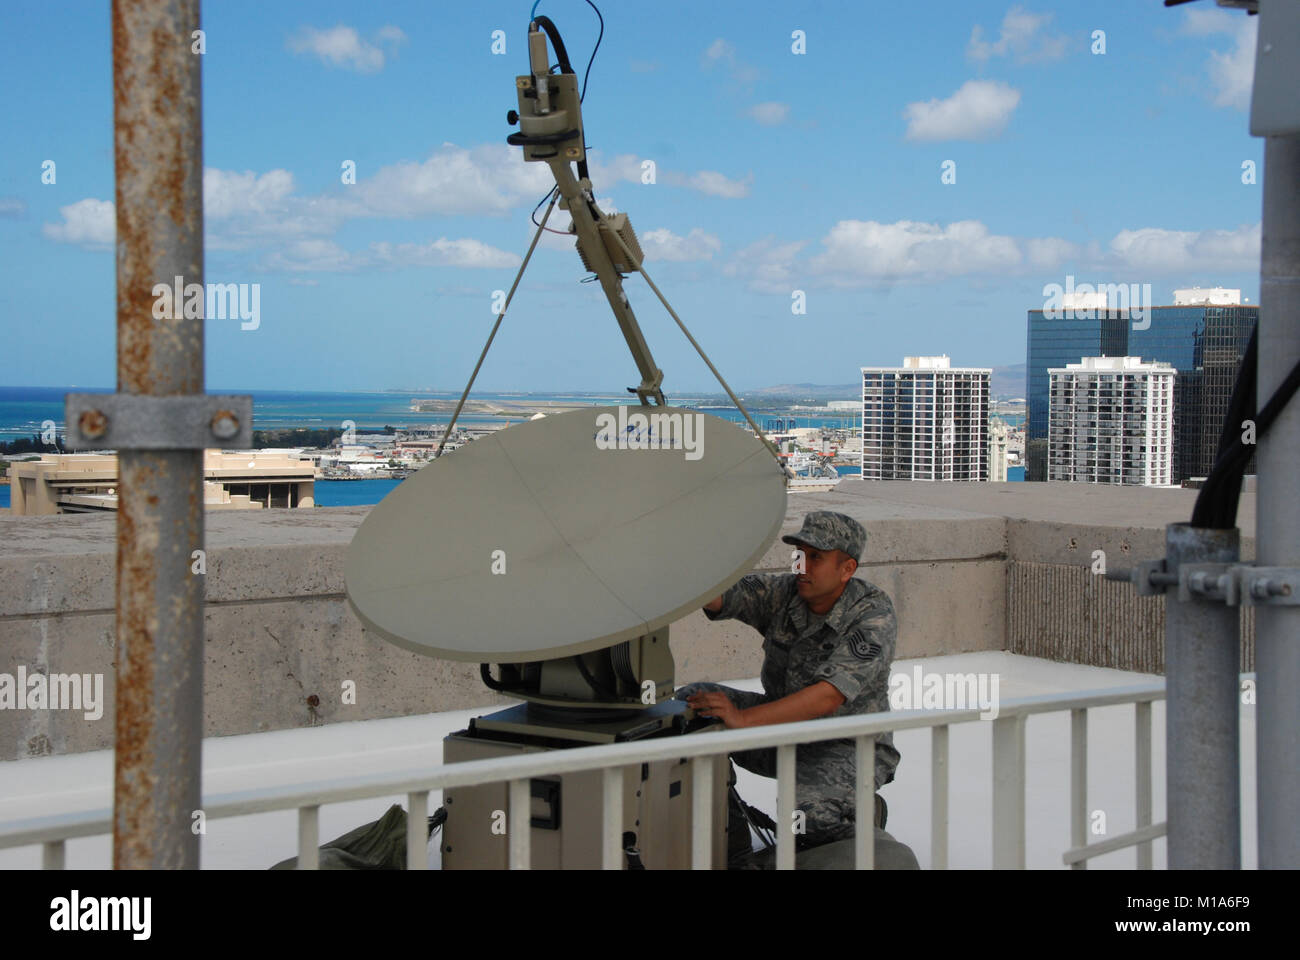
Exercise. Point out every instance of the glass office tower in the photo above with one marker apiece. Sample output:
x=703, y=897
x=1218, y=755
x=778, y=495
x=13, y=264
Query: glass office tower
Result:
x=1055, y=343
x=1204, y=343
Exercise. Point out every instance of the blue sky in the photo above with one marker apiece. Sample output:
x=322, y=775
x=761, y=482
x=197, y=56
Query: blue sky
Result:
x=775, y=171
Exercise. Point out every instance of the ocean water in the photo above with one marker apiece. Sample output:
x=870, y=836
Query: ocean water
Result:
x=24, y=410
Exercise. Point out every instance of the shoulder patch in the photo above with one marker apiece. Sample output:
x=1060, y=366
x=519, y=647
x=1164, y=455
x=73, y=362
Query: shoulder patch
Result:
x=861, y=647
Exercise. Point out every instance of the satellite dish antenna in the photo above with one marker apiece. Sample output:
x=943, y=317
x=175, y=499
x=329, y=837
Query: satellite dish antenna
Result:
x=565, y=535
x=561, y=548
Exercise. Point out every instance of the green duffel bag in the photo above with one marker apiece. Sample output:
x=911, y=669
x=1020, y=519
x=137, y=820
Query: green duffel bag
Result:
x=380, y=845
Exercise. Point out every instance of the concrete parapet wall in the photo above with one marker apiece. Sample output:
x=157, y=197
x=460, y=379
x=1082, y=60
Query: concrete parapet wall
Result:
x=969, y=566
x=1067, y=613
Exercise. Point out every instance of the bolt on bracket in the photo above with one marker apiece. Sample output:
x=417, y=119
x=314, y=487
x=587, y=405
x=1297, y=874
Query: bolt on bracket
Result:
x=1232, y=584
x=132, y=421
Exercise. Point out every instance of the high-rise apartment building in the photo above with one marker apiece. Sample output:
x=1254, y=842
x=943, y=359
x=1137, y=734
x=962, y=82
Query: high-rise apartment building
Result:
x=925, y=420
x=1203, y=335
x=1111, y=420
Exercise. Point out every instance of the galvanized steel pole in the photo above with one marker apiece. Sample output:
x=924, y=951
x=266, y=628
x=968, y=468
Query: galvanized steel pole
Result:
x=1277, y=519
x=1201, y=729
x=158, y=152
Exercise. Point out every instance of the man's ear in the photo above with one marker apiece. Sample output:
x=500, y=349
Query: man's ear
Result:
x=848, y=564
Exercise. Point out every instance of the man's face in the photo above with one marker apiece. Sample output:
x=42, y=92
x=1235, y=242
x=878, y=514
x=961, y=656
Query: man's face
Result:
x=824, y=576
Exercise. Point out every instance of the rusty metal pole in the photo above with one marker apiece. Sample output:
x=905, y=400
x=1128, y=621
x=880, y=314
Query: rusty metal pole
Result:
x=158, y=152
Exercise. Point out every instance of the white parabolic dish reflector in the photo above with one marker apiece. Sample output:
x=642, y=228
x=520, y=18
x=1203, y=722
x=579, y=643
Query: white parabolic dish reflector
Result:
x=598, y=545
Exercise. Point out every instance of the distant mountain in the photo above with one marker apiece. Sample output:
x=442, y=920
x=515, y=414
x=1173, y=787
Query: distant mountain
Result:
x=1008, y=381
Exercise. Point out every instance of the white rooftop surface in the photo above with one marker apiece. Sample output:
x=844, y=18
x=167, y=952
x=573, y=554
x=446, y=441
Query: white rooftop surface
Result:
x=51, y=785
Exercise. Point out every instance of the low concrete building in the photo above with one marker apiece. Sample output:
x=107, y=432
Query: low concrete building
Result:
x=233, y=480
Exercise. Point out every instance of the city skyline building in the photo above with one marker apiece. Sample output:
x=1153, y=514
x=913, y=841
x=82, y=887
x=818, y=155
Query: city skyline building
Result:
x=1204, y=335
x=925, y=420
x=1111, y=420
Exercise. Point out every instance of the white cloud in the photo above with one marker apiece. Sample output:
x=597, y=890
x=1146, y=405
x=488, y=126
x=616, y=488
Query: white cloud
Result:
x=1232, y=74
x=442, y=253
x=491, y=179
x=977, y=111
x=1022, y=37
x=723, y=52
x=628, y=167
x=343, y=47
x=243, y=209
x=12, y=208
x=227, y=193
x=312, y=256
x=712, y=183
x=603, y=172
x=857, y=251
x=663, y=244
x=720, y=50
x=770, y=114
x=768, y=266
x=304, y=256
x=1045, y=253
x=90, y=223
x=1171, y=251
x=865, y=253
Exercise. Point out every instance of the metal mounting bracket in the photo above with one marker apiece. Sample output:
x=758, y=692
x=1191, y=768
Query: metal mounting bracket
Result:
x=132, y=421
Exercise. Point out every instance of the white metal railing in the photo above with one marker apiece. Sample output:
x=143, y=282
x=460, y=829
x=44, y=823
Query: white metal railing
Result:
x=1008, y=774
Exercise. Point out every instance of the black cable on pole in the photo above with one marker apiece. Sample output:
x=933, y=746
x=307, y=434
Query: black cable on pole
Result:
x=1212, y=502
x=1216, y=505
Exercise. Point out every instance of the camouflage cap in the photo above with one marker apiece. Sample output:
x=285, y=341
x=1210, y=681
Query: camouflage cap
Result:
x=826, y=530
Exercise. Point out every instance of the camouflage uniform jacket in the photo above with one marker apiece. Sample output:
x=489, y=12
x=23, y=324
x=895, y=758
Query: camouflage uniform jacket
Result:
x=851, y=647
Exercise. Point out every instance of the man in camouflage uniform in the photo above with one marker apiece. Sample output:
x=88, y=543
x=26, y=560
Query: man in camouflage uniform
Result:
x=828, y=641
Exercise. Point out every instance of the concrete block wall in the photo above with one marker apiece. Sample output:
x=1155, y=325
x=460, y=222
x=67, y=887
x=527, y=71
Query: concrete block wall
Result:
x=969, y=567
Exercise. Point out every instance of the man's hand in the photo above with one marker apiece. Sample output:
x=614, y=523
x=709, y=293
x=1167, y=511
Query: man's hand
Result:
x=717, y=705
x=819, y=700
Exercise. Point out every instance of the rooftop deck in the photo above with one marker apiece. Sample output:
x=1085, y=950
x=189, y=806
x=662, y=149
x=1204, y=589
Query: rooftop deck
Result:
x=51, y=785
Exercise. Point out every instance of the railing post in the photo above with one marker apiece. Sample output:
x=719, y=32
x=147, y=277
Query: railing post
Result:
x=1142, y=751
x=1009, y=793
x=309, y=838
x=52, y=855
x=612, y=819
x=417, y=830
x=702, y=813
x=520, y=825
x=939, y=797
x=864, y=834
x=1079, y=783
x=785, y=801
